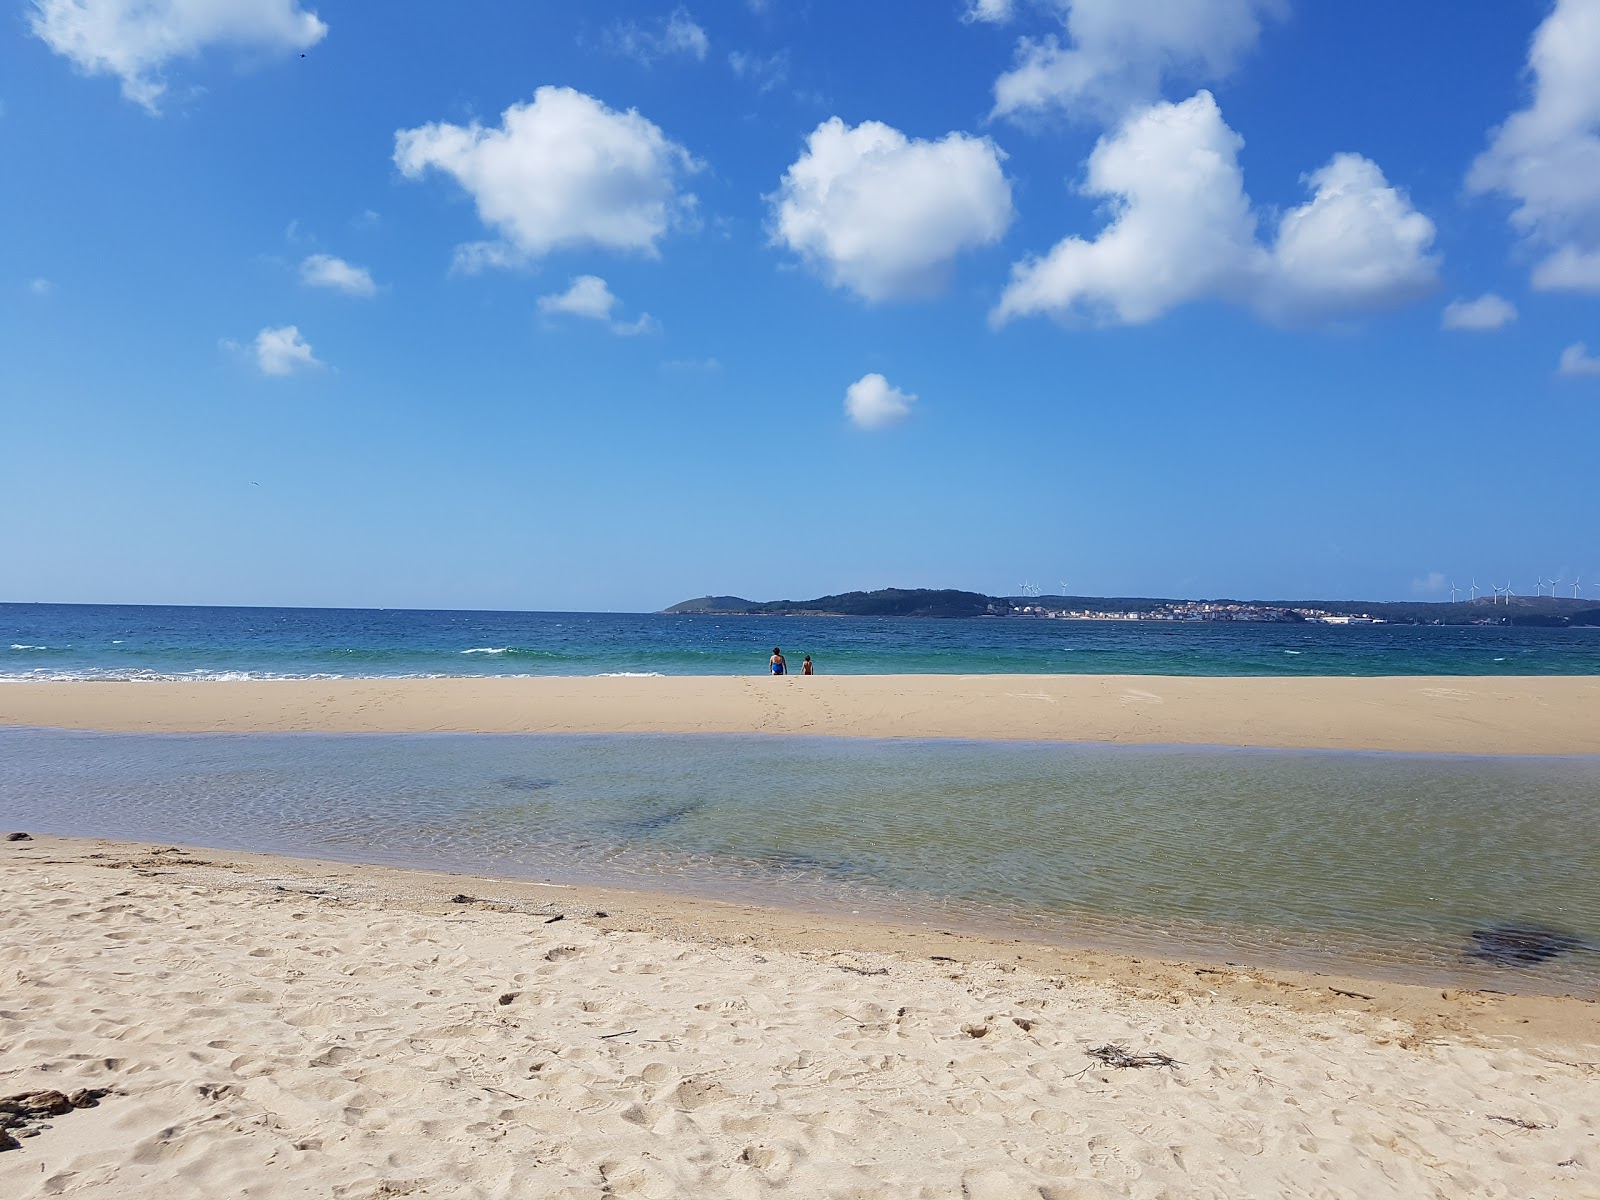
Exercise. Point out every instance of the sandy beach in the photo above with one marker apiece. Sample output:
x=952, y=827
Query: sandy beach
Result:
x=274, y=1027
x=1446, y=714
x=280, y=1027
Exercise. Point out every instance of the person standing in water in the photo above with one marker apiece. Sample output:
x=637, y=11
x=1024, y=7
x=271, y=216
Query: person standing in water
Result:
x=777, y=663
x=805, y=667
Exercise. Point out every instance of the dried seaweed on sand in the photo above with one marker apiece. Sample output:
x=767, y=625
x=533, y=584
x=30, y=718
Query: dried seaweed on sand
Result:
x=1121, y=1056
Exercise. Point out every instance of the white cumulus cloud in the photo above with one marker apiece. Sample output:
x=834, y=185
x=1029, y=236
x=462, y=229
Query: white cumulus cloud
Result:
x=884, y=215
x=1576, y=360
x=1487, y=312
x=135, y=39
x=591, y=298
x=1183, y=229
x=1118, y=52
x=326, y=271
x=559, y=172
x=283, y=351
x=1546, y=157
x=674, y=34
x=871, y=402
x=40, y=286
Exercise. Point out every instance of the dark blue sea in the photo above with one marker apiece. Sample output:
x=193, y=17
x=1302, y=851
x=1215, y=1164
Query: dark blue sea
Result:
x=72, y=641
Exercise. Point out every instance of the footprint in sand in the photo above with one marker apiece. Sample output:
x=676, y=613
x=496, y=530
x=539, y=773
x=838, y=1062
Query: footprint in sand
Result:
x=1032, y=696
x=1135, y=696
x=1444, y=693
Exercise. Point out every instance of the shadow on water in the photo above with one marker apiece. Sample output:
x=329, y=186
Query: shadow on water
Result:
x=654, y=822
x=1522, y=945
x=526, y=783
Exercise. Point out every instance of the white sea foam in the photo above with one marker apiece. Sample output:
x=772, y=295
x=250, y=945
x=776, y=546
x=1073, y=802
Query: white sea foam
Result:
x=21, y=646
x=630, y=675
x=134, y=675
x=487, y=650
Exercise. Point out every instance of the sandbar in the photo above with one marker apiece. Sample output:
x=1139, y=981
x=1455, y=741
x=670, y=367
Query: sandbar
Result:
x=1445, y=714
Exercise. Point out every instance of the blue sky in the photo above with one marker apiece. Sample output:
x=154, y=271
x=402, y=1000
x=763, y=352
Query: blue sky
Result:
x=602, y=306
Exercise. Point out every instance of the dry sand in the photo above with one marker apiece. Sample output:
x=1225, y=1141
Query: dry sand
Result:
x=276, y=1028
x=1478, y=715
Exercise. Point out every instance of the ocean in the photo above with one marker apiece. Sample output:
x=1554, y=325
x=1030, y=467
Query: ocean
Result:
x=133, y=642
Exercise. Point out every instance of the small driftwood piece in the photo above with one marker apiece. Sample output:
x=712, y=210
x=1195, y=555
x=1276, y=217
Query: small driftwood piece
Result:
x=862, y=970
x=1121, y=1056
x=1352, y=995
x=1518, y=1122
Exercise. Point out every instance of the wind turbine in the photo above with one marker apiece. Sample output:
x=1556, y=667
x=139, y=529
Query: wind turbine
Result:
x=1473, y=595
x=1577, y=586
x=1509, y=593
x=1453, y=590
x=1538, y=586
x=1553, y=581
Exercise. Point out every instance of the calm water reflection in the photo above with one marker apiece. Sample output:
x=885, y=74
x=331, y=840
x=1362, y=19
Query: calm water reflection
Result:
x=1270, y=856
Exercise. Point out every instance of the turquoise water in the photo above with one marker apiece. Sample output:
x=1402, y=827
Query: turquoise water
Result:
x=57, y=641
x=1383, y=862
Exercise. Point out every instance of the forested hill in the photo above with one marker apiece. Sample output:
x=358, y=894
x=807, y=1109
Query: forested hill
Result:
x=946, y=602
x=886, y=602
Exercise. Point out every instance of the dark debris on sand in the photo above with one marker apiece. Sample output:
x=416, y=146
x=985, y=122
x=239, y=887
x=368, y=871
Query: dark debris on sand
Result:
x=1120, y=1056
x=23, y=1114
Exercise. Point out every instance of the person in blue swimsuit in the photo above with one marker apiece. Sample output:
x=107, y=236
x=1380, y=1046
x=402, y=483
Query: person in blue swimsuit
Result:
x=777, y=663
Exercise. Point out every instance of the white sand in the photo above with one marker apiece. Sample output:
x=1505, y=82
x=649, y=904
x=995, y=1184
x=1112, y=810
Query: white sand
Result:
x=267, y=1042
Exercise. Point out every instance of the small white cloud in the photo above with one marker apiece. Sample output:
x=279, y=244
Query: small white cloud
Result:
x=283, y=351
x=676, y=34
x=591, y=298
x=1546, y=157
x=135, y=39
x=326, y=271
x=1569, y=269
x=1576, y=360
x=561, y=172
x=1488, y=311
x=991, y=12
x=41, y=286
x=764, y=73
x=871, y=403
x=1184, y=229
x=645, y=323
x=1119, y=52
x=884, y=215
x=692, y=366
x=1430, y=584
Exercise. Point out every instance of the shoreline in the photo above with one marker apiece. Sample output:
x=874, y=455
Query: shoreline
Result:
x=1532, y=715
x=301, y=1025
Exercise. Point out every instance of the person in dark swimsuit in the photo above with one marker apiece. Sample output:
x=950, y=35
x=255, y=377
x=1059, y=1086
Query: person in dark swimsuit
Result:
x=805, y=667
x=777, y=663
